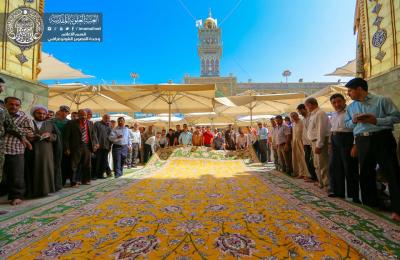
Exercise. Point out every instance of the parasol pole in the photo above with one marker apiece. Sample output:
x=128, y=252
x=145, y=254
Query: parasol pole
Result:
x=169, y=109
x=251, y=116
x=169, y=115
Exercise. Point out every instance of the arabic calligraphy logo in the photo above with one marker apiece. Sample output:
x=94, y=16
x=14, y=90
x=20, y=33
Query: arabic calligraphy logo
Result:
x=24, y=27
x=379, y=38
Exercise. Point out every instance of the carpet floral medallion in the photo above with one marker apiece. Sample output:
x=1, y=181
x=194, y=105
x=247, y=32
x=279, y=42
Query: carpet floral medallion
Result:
x=192, y=209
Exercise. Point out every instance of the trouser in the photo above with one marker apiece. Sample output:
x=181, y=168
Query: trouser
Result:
x=380, y=149
x=128, y=159
x=343, y=169
x=268, y=154
x=285, y=158
x=1, y=162
x=141, y=153
x=65, y=168
x=80, y=164
x=119, y=153
x=256, y=147
x=276, y=157
x=263, y=148
x=101, y=165
x=93, y=173
x=147, y=152
x=108, y=164
x=14, y=176
x=321, y=163
x=308, y=157
x=134, y=154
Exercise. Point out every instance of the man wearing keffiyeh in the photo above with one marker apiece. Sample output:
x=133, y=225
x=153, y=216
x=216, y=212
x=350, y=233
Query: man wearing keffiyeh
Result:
x=13, y=145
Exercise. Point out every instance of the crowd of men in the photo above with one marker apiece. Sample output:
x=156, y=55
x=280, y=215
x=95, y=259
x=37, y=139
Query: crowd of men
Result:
x=340, y=154
x=344, y=154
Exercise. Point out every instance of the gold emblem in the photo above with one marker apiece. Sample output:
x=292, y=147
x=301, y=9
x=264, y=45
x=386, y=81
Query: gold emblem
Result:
x=24, y=27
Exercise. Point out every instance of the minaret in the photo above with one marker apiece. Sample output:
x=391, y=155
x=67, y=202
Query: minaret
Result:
x=209, y=47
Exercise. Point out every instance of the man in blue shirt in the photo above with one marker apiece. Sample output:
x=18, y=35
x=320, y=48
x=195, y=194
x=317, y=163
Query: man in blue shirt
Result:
x=372, y=118
x=185, y=138
x=121, y=139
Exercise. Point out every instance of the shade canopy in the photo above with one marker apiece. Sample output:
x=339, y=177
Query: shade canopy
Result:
x=263, y=118
x=257, y=104
x=209, y=119
x=158, y=119
x=165, y=98
x=115, y=117
x=348, y=70
x=52, y=68
x=77, y=96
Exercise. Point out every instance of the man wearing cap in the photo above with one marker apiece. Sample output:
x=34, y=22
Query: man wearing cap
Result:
x=61, y=121
x=372, y=118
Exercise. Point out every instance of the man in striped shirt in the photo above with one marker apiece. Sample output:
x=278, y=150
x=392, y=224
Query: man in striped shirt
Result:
x=14, y=151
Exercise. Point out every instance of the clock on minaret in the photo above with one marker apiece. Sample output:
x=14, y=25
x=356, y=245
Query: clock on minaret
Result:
x=209, y=47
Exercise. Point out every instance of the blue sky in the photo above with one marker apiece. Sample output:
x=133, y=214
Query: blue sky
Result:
x=262, y=38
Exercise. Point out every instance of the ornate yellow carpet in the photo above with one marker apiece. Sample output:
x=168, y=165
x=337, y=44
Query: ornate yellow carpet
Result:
x=192, y=209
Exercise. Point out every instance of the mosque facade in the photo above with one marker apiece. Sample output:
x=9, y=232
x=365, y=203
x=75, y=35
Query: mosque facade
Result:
x=377, y=24
x=19, y=68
